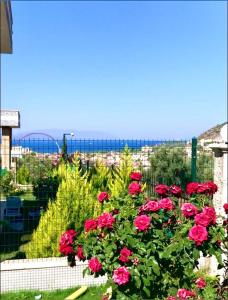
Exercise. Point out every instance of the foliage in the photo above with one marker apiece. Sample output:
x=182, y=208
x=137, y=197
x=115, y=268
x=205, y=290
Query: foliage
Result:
x=170, y=165
x=204, y=166
x=6, y=183
x=76, y=201
x=150, y=249
x=120, y=176
x=30, y=168
x=46, y=188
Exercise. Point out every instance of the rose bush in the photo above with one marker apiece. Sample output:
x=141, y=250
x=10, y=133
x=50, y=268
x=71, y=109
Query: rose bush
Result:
x=149, y=248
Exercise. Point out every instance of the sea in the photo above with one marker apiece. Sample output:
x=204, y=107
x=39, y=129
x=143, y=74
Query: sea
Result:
x=73, y=145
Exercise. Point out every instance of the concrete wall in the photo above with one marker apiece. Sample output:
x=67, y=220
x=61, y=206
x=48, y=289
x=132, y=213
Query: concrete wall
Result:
x=44, y=274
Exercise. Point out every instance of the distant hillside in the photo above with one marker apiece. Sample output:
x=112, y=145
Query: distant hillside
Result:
x=58, y=134
x=212, y=134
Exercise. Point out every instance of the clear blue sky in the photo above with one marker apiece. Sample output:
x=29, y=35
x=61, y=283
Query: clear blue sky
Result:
x=131, y=69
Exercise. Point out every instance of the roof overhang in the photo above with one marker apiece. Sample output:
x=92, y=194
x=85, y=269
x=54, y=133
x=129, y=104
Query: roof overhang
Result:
x=6, y=27
x=10, y=118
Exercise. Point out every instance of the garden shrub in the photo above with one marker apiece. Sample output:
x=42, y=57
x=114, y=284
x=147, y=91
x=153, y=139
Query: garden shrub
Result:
x=148, y=248
x=76, y=200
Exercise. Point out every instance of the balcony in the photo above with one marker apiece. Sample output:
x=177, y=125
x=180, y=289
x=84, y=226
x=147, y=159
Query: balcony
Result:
x=6, y=27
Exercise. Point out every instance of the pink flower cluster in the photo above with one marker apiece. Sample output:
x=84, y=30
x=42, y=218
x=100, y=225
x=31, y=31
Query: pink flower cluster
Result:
x=137, y=176
x=225, y=206
x=94, y=265
x=125, y=253
x=105, y=220
x=66, y=242
x=142, y=223
x=121, y=276
x=208, y=188
x=134, y=188
x=90, y=224
x=198, y=232
x=184, y=294
x=153, y=206
x=103, y=196
x=163, y=190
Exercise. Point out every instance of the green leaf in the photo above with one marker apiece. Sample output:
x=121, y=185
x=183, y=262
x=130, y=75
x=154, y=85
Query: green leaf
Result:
x=147, y=291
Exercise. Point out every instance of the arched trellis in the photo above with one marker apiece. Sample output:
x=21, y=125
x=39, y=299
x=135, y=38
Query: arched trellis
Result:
x=45, y=134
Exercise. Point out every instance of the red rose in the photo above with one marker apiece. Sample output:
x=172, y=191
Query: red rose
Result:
x=198, y=234
x=188, y=210
x=106, y=220
x=225, y=206
x=202, y=219
x=66, y=242
x=80, y=253
x=121, y=276
x=166, y=204
x=208, y=188
x=184, y=294
x=210, y=212
x=162, y=190
x=103, y=196
x=94, y=265
x=200, y=283
x=175, y=190
x=142, y=222
x=124, y=255
x=192, y=188
x=65, y=249
x=136, y=176
x=134, y=188
x=90, y=224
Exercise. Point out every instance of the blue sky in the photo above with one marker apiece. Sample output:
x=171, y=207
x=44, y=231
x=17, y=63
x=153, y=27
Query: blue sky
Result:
x=130, y=69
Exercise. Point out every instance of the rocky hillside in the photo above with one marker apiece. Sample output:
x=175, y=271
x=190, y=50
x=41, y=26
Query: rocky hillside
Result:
x=212, y=134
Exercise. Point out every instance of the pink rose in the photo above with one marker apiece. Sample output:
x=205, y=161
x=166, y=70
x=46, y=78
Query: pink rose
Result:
x=210, y=212
x=184, y=294
x=175, y=190
x=134, y=188
x=68, y=236
x=202, y=219
x=150, y=206
x=192, y=188
x=124, y=255
x=105, y=220
x=103, y=196
x=142, y=222
x=171, y=298
x=80, y=253
x=94, y=265
x=166, y=204
x=225, y=206
x=121, y=276
x=200, y=283
x=136, y=176
x=198, y=234
x=90, y=224
x=188, y=210
x=162, y=190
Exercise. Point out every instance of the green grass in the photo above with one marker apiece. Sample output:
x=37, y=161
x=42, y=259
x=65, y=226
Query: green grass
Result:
x=93, y=293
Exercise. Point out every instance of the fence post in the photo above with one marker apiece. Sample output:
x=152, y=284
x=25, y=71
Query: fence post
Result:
x=194, y=157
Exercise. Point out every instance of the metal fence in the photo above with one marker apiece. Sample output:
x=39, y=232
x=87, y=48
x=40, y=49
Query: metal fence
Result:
x=27, y=189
